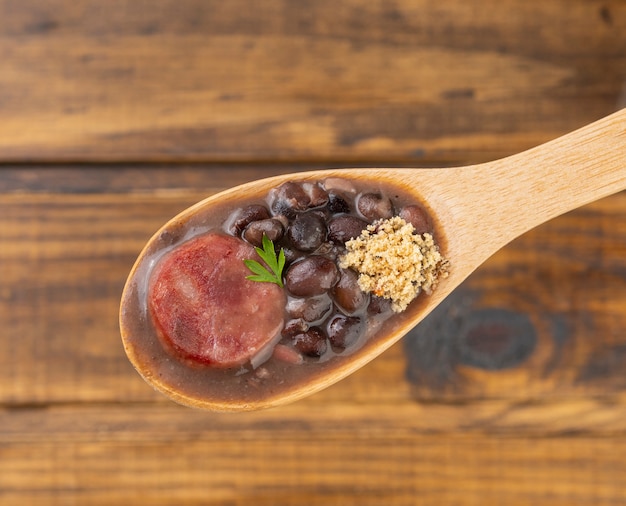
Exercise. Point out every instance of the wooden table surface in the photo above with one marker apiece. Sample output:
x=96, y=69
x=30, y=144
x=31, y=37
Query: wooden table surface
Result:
x=116, y=115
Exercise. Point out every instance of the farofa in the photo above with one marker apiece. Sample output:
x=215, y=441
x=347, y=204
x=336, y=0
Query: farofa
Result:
x=395, y=263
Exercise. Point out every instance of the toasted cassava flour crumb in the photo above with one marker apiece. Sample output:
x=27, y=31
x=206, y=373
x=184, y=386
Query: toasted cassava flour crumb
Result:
x=395, y=263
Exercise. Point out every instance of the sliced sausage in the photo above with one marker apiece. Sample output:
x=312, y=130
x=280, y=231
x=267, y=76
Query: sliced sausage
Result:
x=205, y=309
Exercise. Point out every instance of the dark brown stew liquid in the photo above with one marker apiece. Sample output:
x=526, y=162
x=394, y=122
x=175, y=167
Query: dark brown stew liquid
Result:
x=323, y=325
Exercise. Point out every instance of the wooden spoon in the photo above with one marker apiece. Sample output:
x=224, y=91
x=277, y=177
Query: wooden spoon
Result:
x=479, y=209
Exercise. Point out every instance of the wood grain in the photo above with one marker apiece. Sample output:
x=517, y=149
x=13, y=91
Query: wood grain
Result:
x=448, y=416
x=66, y=256
x=511, y=393
x=319, y=471
x=351, y=81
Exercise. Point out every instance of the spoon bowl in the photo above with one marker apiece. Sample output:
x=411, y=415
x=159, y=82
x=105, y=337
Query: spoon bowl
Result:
x=478, y=209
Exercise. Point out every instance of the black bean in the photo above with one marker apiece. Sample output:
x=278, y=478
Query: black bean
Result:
x=313, y=275
x=291, y=254
x=378, y=305
x=243, y=217
x=294, y=327
x=271, y=227
x=374, y=206
x=417, y=217
x=337, y=204
x=312, y=342
x=318, y=196
x=347, y=294
x=344, y=331
x=288, y=198
x=344, y=228
x=309, y=309
x=330, y=250
x=307, y=231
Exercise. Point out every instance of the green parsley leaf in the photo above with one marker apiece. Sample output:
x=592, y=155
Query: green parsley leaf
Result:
x=275, y=264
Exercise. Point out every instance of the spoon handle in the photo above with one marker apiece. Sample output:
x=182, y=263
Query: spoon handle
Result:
x=505, y=198
x=573, y=170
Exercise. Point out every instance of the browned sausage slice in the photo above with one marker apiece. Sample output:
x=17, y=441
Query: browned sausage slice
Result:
x=205, y=309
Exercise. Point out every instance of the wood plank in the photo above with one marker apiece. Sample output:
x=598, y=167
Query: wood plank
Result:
x=135, y=178
x=322, y=416
x=65, y=258
x=317, y=81
x=438, y=470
